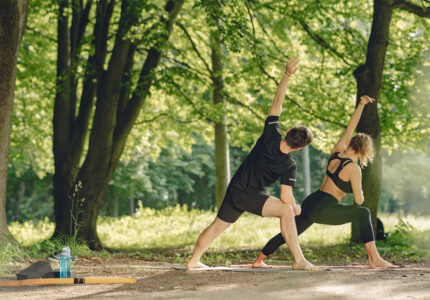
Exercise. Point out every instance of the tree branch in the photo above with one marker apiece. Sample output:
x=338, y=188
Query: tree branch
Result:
x=235, y=101
x=186, y=65
x=152, y=119
x=146, y=77
x=298, y=104
x=163, y=115
x=29, y=28
x=420, y=11
x=194, y=46
x=186, y=97
x=269, y=36
x=321, y=41
x=94, y=68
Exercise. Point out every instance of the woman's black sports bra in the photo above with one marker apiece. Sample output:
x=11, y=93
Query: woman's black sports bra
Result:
x=344, y=186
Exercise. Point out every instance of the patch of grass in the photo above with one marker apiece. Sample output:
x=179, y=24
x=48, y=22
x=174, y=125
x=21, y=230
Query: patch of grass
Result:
x=29, y=232
x=44, y=248
x=12, y=255
x=169, y=235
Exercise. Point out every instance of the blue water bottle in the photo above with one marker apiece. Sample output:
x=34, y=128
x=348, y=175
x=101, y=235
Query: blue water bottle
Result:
x=65, y=271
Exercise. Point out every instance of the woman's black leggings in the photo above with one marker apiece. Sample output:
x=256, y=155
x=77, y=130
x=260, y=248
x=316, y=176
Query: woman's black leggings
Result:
x=322, y=208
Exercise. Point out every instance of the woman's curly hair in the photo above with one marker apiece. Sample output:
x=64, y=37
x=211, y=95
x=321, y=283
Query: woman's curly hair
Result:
x=362, y=144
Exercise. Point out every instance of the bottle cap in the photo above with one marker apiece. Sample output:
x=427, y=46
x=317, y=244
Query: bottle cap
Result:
x=65, y=251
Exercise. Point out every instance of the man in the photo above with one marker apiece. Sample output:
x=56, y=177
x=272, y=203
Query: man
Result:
x=268, y=161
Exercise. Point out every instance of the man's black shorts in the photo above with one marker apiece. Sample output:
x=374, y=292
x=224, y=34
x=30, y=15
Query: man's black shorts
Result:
x=237, y=201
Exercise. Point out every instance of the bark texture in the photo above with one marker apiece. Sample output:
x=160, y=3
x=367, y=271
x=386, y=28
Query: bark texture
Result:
x=222, y=156
x=369, y=81
x=13, y=17
x=79, y=187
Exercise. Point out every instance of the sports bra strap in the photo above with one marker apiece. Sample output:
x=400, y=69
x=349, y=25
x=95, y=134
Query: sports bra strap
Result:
x=342, y=164
x=346, y=163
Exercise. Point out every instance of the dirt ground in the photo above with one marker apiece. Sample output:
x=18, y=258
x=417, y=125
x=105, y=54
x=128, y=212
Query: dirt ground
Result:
x=409, y=282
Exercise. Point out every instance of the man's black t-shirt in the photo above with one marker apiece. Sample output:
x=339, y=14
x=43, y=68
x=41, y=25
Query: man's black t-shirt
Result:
x=266, y=163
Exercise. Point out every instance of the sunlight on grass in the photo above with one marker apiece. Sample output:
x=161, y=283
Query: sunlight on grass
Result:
x=178, y=227
x=28, y=233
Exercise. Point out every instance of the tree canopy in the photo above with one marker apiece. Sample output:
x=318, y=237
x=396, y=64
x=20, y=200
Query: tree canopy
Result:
x=163, y=65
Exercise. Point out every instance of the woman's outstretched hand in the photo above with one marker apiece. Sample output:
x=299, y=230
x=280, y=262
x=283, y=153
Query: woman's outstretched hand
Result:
x=291, y=66
x=366, y=99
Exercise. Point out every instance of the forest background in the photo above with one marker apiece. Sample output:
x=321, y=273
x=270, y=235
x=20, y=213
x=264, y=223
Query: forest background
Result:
x=213, y=71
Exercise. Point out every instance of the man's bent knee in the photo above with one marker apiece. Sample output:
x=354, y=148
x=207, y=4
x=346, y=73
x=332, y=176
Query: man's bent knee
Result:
x=274, y=207
x=286, y=210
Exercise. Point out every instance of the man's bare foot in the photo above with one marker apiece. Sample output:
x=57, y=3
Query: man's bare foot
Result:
x=305, y=265
x=191, y=265
x=260, y=264
x=380, y=263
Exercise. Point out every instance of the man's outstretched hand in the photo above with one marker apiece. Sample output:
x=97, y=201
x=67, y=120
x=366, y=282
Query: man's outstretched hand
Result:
x=291, y=66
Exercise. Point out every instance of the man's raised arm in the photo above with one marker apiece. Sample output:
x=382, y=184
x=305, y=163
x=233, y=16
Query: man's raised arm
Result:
x=290, y=69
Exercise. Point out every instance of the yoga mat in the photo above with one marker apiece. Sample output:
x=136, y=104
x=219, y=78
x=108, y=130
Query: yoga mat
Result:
x=325, y=267
x=234, y=268
x=248, y=268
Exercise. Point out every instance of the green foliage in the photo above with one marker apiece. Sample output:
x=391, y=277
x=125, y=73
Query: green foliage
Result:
x=30, y=232
x=407, y=241
x=29, y=197
x=168, y=235
x=258, y=37
x=175, y=177
x=12, y=255
x=46, y=247
x=405, y=182
x=31, y=135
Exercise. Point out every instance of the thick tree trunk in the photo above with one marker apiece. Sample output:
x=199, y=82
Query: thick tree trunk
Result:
x=13, y=17
x=222, y=156
x=114, y=117
x=369, y=81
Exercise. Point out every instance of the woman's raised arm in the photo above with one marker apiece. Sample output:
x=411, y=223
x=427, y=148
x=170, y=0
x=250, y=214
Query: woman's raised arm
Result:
x=342, y=144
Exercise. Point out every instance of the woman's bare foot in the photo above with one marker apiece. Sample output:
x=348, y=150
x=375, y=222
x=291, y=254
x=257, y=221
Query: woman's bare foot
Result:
x=305, y=265
x=191, y=265
x=260, y=264
x=379, y=262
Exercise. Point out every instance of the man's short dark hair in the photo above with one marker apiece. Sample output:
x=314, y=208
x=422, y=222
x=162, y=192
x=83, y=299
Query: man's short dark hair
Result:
x=299, y=136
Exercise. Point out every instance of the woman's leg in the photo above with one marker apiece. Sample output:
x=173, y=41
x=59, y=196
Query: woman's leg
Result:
x=337, y=214
x=278, y=240
x=334, y=213
x=374, y=259
x=302, y=223
x=274, y=207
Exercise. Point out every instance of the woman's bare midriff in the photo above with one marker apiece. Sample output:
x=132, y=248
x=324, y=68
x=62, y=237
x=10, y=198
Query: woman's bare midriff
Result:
x=329, y=187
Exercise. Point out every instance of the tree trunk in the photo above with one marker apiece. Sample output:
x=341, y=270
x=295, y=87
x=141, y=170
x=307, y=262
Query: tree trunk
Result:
x=222, y=157
x=13, y=18
x=115, y=206
x=131, y=200
x=19, y=197
x=369, y=81
x=306, y=172
x=77, y=209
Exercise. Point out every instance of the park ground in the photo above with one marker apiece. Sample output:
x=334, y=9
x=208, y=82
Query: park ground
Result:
x=412, y=281
x=135, y=243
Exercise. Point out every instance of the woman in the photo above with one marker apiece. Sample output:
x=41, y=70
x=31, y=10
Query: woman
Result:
x=343, y=176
